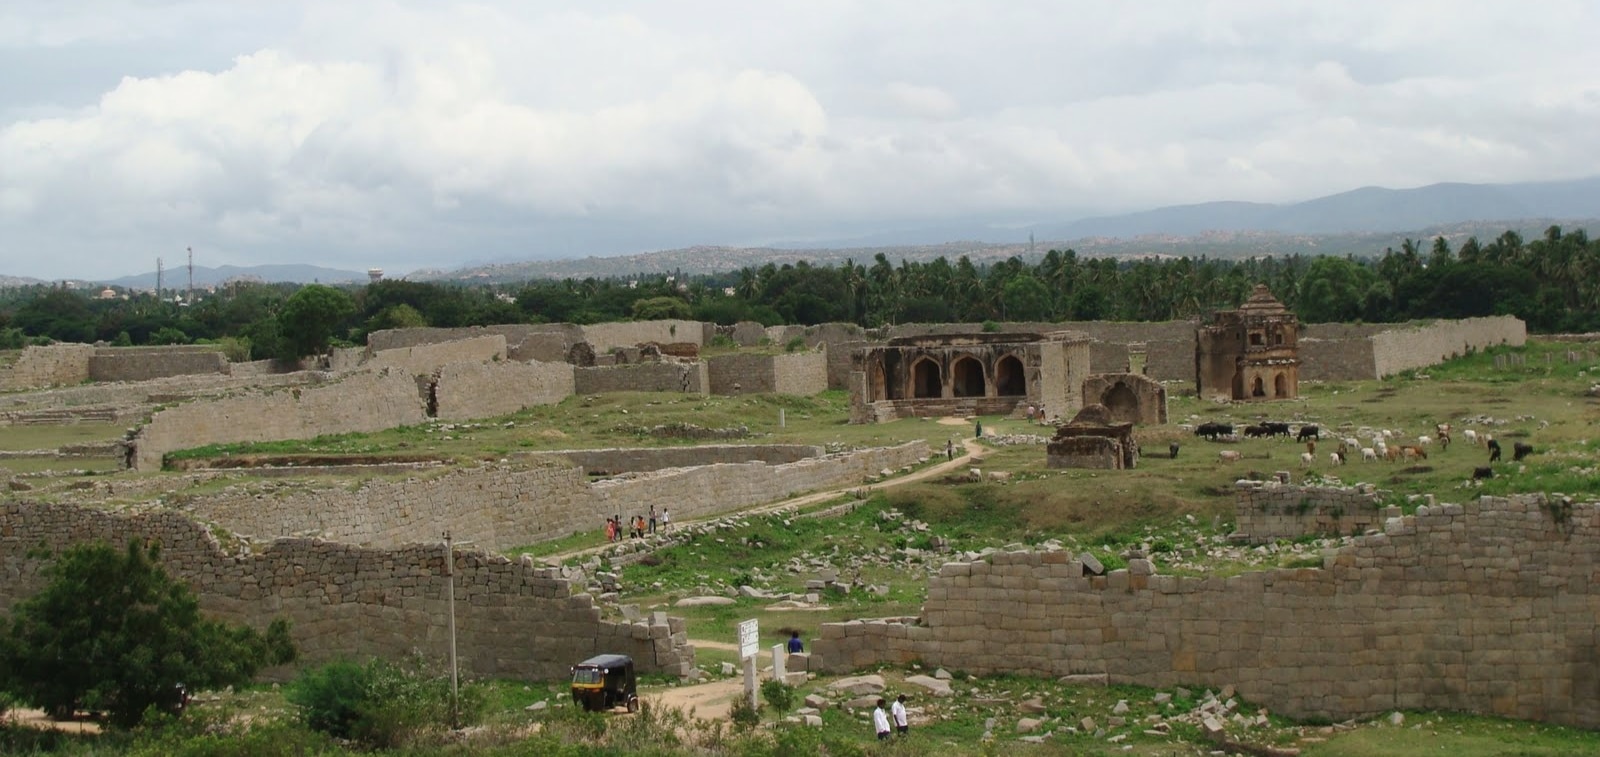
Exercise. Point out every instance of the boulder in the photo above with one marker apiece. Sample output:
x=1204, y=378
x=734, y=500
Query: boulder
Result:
x=867, y=684
x=935, y=686
x=703, y=601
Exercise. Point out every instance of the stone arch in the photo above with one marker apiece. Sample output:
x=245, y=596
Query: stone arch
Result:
x=1009, y=378
x=581, y=355
x=966, y=377
x=1258, y=387
x=878, y=383
x=925, y=379
x=1238, y=384
x=1122, y=402
x=1280, y=385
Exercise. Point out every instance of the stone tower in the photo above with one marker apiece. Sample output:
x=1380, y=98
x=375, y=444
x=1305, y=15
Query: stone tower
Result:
x=1251, y=353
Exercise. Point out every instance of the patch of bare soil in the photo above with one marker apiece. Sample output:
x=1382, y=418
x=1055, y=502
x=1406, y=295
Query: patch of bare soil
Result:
x=37, y=719
x=710, y=701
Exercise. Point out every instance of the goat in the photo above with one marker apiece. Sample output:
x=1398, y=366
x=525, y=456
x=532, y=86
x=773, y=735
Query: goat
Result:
x=1335, y=458
x=1230, y=455
x=1306, y=458
x=1482, y=473
x=1423, y=441
x=1472, y=436
x=1494, y=450
x=1369, y=455
x=1520, y=450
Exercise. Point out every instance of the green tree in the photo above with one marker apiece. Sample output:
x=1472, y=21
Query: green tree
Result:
x=661, y=308
x=310, y=318
x=112, y=631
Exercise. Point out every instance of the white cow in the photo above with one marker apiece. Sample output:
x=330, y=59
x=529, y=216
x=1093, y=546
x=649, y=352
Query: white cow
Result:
x=1472, y=436
x=1369, y=455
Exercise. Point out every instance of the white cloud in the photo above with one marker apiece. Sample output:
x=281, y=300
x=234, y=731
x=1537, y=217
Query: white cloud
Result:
x=398, y=134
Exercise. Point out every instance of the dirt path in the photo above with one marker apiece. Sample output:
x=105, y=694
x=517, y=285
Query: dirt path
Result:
x=970, y=448
x=711, y=701
x=37, y=719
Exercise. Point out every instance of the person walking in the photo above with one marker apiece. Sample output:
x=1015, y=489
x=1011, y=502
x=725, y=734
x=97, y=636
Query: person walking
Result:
x=796, y=646
x=666, y=519
x=898, y=712
x=949, y=449
x=880, y=721
x=611, y=530
x=652, y=519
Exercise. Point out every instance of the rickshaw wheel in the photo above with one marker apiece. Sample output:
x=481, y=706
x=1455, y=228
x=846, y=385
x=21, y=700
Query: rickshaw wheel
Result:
x=633, y=703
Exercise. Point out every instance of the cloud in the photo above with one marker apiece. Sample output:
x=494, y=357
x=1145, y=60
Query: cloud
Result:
x=400, y=134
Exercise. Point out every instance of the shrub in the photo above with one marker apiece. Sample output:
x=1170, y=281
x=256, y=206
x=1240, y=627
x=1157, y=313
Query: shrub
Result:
x=380, y=704
x=778, y=695
x=796, y=344
x=744, y=715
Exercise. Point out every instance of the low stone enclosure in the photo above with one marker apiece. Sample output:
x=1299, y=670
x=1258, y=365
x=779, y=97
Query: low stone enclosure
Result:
x=1488, y=608
x=1266, y=511
x=503, y=506
x=512, y=619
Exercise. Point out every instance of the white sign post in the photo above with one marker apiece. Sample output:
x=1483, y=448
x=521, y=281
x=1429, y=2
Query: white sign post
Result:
x=749, y=649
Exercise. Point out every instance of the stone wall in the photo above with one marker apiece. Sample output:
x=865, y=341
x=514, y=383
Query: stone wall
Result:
x=145, y=363
x=484, y=390
x=802, y=373
x=1396, y=350
x=512, y=619
x=686, y=378
x=365, y=401
x=1336, y=359
x=42, y=367
x=503, y=506
x=1489, y=608
x=1267, y=511
x=604, y=336
x=613, y=461
x=425, y=359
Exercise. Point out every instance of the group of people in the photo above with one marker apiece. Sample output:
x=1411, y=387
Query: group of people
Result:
x=896, y=714
x=637, y=526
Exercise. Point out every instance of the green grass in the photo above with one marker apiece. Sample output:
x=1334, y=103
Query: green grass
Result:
x=17, y=438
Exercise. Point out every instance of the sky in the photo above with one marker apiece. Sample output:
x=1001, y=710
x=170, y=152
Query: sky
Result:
x=408, y=135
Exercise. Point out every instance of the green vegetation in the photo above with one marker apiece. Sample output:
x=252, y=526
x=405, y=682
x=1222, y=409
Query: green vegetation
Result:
x=113, y=632
x=382, y=704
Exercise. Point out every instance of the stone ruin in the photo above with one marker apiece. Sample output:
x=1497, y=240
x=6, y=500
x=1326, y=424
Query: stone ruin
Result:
x=1251, y=353
x=1093, y=439
x=1130, y=397
x=968, y=374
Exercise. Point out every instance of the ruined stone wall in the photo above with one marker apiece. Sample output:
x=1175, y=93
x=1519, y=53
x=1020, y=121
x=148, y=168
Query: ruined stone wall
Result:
x=1063, y=366
x=604, y=336
x=484, y=390
x=501, y=507
x=513, y=333
x=1266, y=511
x=803, y=373
x=424, y=359
x=686, y=378
x=1400, y=349
x=1340, y=359
x=1489, y=608
x=512, y=619
x=365, y=401
x=634, y=459
x=42, y=367
x=145, y=363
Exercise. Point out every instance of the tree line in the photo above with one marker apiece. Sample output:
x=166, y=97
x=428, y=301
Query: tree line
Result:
x=1552, y=282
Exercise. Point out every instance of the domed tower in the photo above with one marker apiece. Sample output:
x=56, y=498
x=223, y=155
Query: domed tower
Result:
x=1251, y=353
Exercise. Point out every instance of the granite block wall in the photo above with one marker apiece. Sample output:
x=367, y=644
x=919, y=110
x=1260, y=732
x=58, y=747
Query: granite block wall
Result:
x=1266, y=511
x=366, y=401
x=502, y=506
x=425, y=359
x=802, y=373
x=1486, y=608
x=145, y=363
x=685, y=378
x=42, y=367
x=635, y=459
x=483, y=390
x=1400, y=349
x=512, y=619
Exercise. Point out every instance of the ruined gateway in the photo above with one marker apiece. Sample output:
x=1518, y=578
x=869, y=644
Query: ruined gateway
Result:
x=968, y=374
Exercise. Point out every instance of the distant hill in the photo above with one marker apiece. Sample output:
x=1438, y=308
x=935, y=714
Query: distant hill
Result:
x=1369, y=209
x=178, y=278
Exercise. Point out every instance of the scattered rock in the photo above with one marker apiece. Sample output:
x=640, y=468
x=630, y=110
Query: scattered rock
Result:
x=867, y=684
x=936, y=686
x=1028, y=725
x=704, y=601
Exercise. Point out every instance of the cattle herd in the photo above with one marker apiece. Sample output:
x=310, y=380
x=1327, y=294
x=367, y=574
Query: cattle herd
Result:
x=1373, y=445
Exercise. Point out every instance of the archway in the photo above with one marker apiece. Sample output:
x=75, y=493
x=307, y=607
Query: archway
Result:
x=1280, y=386
x=1238, y=384
x=1258, y=388
x=925, y=382
x=1122, y=402
x=967, y=377
x=878, y=387
x=1009, y=380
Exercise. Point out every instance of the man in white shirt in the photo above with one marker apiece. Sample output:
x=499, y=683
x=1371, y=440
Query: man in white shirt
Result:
x=898, y=711
x=880, y=721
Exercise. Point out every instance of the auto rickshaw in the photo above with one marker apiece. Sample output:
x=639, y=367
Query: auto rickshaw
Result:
x=605, y=681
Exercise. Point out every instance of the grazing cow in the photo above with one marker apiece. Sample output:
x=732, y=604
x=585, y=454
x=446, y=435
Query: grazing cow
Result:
x=1349, y=443
x=1308, y=432
x=1423, y=441
x=1472, y=436
x=1494, y=450
x=1306, y=458
x=1335, y=458
x=1276, y=429
x=1409, y=452
x=1482, y=473
x=1369, y=455
x=1214, y=431
x=1173, y=450
x=1230, y=455
x=1256, y=431
x=1520, y=450
x=1391, y=453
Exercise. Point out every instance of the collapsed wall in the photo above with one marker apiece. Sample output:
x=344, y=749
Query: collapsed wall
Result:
x=41, y=367
x=666, y=376
x=503, y=506
x=800, y=373
x=1265, y=511
x=1488, y=608
x=512, y=619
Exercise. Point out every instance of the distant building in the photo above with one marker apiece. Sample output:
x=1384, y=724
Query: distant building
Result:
x=374, y=275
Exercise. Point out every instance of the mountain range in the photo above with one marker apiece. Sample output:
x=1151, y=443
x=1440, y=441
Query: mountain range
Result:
x=1362, y=222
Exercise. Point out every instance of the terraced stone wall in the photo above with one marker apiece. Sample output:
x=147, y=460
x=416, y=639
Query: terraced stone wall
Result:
x=512, y=619
x=41, y=367
x=1487, y=608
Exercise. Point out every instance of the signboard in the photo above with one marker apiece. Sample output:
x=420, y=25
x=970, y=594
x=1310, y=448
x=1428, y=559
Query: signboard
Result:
x=749, y=638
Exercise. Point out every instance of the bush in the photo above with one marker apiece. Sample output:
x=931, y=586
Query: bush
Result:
x=381, y=704
x=744, y=715
x=778, y=695
x=796, y=344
